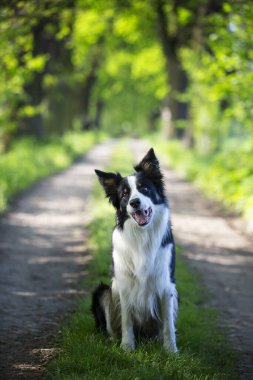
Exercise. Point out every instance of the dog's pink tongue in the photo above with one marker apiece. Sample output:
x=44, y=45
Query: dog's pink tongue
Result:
x=140, y=217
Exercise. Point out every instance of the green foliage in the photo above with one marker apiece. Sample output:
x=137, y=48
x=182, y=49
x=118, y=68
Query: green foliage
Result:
x=109, y=52
x=12, y=75
x=32, y=45
x=204, y=354
x=226, y=176
x=28, y=160
x=137, y=88
x=220, y=82
x=130, y=77
x=101, y=64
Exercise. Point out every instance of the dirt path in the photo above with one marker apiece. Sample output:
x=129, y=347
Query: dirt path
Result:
x=221, y=254
x=42, y=259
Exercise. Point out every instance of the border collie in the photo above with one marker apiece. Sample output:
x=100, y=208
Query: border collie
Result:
x=142, y=299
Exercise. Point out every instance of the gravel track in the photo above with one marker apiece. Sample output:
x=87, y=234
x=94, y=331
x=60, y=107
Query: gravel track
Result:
x=216, y=247
x=43, y=258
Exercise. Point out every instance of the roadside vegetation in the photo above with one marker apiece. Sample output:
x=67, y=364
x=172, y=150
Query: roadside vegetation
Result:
x=86, y=354
x=127, y=67
x=226, y=176
x=29, y=159
x=183, y=69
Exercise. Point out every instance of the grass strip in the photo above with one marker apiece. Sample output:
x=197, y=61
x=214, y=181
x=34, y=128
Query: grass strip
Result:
x=86, y=354
x=29, y=160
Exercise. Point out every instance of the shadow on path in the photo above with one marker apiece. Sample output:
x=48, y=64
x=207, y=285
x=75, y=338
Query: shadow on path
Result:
x=42, y=260
x=220, y=253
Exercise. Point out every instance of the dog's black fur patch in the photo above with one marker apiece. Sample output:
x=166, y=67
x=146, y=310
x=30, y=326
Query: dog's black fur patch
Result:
x=96, y=308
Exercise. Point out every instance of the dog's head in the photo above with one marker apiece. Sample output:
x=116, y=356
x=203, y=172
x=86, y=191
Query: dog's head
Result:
x=136, y=195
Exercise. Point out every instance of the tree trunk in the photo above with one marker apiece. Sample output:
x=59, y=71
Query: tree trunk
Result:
x=153, y=117
x=99, y=110
x=34, y=89
x=177, y=77
x=86, y=93
x=58, y=64
x=178, y=85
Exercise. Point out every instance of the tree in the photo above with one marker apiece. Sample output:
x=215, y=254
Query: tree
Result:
x=35, y=62
x=119, y=63
x=220, y=88
x=50, y=88
x=180, y=25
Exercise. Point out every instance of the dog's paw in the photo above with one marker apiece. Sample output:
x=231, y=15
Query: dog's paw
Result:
x=170, y=348
x=127, y=346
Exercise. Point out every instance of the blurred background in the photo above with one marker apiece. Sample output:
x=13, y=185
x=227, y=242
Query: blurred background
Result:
x=180, y=69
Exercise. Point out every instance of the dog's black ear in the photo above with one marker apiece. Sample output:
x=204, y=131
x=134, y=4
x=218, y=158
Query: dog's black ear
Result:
x=110, y=183
x=150, y=165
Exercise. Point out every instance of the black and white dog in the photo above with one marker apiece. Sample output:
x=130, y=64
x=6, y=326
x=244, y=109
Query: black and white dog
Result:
x=142, y=300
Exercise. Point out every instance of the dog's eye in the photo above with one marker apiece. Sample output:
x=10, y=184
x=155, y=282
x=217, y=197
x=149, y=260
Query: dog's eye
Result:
x=125, y=194
x=143, y=188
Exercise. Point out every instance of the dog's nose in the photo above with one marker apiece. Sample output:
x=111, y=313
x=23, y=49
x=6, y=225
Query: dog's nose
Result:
x=135, y=203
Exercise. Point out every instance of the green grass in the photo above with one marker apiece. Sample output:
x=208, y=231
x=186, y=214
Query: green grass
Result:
x=86, y=354
x=29, y=160
x=226, y=176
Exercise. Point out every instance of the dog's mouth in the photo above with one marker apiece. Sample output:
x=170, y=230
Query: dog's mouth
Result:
x=142, y=217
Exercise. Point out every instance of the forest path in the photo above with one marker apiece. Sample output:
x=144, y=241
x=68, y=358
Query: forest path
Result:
x=42, y=259
x=221, y=253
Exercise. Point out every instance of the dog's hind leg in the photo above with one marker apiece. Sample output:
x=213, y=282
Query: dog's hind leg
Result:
x=107, y=303
x=169, y=313
x=101, y=302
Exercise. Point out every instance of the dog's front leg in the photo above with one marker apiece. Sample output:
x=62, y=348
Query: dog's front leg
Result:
x=169, y=330
x=128, y=340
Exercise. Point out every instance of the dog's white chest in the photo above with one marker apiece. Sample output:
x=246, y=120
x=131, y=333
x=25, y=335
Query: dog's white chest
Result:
x=141, y=271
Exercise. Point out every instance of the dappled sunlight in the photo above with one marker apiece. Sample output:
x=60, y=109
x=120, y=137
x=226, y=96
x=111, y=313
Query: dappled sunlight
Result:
x=219, y=253
x=214, y=231
x=196, y=218
x=50, y=295
x=81, y=260
x=75, y=249
x=226, y=259
x=23, y=367
x=206, y=236
x=43, y=355
x=73, y=73
x=46, y=218
x=43, y=251
x=25, y=294
x=72, y=278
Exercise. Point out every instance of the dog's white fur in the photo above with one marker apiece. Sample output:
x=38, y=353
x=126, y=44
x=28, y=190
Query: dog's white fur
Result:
x=142, y=274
